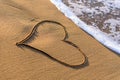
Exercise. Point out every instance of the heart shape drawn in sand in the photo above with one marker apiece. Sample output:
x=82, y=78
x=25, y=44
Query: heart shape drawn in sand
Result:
x=54, y=44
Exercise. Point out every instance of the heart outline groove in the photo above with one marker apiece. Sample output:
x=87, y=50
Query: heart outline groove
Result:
x=26, y=39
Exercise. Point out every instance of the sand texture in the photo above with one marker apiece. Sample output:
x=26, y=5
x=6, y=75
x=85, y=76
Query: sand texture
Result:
x=56, y=50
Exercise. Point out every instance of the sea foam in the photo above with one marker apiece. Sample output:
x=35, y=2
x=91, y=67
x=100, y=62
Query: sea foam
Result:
x=99, y=18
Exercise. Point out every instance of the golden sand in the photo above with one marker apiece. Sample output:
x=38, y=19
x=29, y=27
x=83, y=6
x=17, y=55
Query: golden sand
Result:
x=18, y=18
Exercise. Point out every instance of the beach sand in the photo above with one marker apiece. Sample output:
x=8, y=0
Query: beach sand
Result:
x=18, y=18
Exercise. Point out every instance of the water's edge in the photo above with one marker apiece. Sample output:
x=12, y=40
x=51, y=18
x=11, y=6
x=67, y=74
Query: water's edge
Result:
x=97, y=34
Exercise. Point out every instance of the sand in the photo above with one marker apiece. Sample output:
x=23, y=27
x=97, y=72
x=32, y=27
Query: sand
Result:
x=18, y=18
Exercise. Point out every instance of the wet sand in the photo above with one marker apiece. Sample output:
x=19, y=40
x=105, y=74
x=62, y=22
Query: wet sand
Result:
x=18, y=18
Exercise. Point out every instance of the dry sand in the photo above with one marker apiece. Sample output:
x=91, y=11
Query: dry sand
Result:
x=18, y=18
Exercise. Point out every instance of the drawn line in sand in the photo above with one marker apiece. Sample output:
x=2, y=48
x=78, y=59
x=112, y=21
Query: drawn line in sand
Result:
x=33, y=32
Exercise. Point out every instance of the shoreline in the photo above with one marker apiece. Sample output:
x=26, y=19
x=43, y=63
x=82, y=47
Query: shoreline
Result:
x=96, y=33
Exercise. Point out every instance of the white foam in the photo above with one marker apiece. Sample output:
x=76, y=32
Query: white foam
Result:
x=94, y=31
